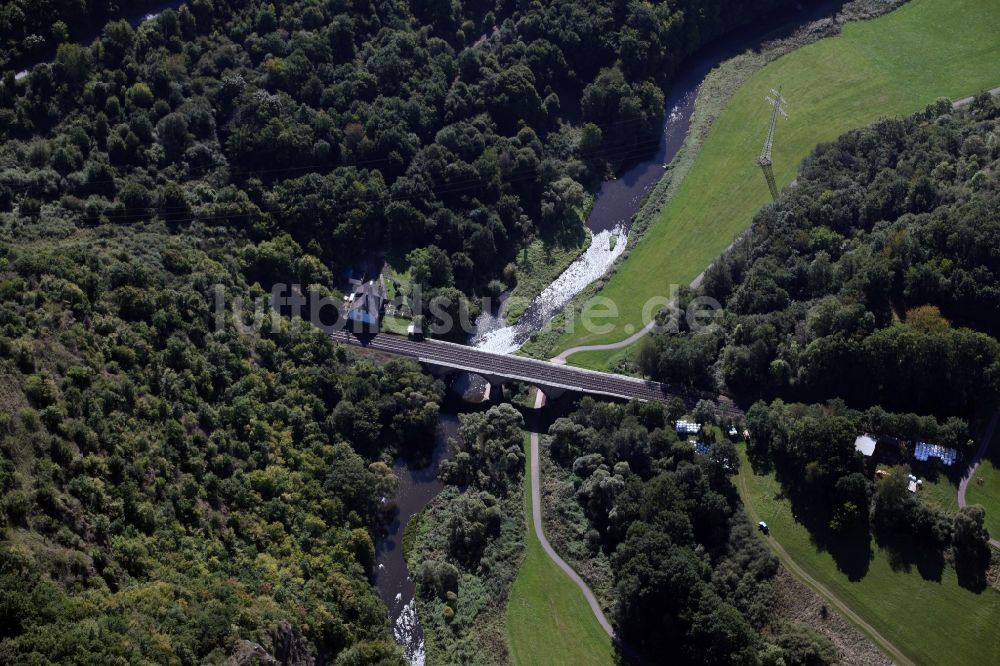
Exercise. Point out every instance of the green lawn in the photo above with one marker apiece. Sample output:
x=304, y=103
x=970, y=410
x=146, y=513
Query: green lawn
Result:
x=396, y=325
x=985, y=486
x=941, y=491
x=548, y=620
x=933, y=622
x=893, y=65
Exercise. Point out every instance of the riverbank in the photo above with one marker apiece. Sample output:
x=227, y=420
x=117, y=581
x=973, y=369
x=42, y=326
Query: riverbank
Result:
x=611, y=216
x=538, y=266
x=468, y=545
x=467, y=625
x=418, y=485
x=710, y=98
x=831, y=85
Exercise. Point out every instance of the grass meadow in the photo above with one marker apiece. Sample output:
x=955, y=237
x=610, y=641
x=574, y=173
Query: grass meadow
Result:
x=931, y=619
x=985, y=486
x=549, y=623
x=893, y=65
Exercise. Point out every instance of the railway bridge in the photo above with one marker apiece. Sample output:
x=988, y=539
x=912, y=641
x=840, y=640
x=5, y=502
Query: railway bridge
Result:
x=550, y=378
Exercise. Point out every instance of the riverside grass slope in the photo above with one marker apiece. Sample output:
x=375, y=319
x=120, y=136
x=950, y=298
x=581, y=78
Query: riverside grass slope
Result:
x=548, y=621
x=929, y=621
x=893, y=65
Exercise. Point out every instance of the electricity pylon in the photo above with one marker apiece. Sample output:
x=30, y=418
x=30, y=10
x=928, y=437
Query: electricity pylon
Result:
x=777, y=102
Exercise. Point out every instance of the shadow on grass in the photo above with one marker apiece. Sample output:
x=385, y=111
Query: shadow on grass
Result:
x=907, y=551
x=850, y=547
x=972, y=567
x=933, y=472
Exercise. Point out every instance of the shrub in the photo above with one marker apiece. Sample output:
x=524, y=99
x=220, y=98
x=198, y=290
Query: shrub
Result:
x=41, y=390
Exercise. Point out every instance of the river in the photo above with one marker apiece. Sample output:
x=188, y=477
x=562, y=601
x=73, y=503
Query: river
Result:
x=617, y=200
x=417, y=487
x=615, y=203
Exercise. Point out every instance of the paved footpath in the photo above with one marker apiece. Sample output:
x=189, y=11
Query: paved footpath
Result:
x=536, y=514
x=965, y=101
x=536, y=495
x=635, y=337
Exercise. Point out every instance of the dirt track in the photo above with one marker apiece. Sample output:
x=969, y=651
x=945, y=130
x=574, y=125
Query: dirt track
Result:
x=881, y=641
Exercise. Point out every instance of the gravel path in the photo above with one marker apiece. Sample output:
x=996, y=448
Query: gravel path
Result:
x=983, y=445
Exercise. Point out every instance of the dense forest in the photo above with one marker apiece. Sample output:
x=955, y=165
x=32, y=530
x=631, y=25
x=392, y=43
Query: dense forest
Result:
x=869, y=289
x=691, y=578
x=176, y=491
x=30, y=30
x=875, y=279
x=170, y=489
x=355, y=126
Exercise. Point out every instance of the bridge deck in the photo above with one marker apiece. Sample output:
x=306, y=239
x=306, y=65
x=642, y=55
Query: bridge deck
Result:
x=518, y=368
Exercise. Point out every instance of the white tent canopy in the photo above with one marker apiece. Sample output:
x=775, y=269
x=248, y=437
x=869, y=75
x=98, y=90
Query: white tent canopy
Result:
x=865, y=444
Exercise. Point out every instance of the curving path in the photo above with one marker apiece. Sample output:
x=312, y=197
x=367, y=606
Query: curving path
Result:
x=983, y=445
x=536, y=485
x=632, y=339
x=536, y=495
x=536, y=513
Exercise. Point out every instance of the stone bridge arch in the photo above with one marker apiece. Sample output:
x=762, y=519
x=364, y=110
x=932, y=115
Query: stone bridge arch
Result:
x=496, y=382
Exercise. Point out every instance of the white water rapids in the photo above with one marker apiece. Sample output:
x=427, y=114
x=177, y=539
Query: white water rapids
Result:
x=493, y=335
x=406, y=632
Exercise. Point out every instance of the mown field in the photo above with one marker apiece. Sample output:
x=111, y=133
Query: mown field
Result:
x=985, y=486
x=548, y=620
x=941, y=490
x=893, y=65
x=931, y=621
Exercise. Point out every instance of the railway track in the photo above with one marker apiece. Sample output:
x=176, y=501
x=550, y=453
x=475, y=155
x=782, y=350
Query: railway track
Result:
x=543, y=374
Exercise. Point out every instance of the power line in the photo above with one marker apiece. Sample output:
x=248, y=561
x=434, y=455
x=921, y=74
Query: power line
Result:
x=764, y=160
